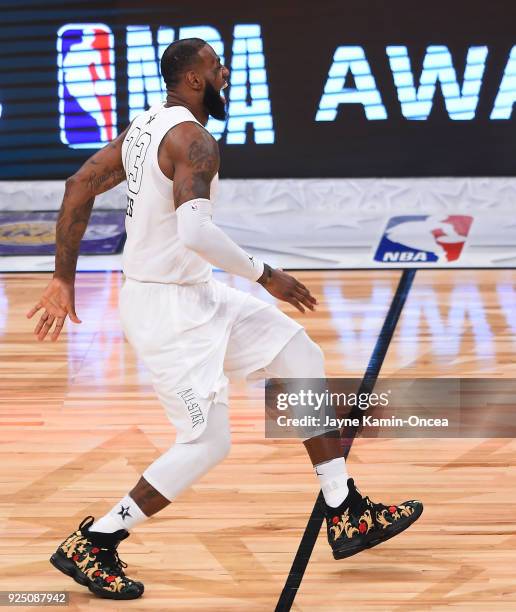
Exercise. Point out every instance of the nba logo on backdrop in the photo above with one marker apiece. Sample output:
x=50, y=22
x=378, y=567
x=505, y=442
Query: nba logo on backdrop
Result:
x=423, y=238
x=87, y=103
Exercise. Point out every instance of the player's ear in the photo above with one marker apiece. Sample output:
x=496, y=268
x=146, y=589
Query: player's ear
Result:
x=193, y=80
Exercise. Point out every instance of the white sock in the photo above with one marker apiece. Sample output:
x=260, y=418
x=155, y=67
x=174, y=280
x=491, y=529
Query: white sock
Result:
x=333, y=477
x=126, y=514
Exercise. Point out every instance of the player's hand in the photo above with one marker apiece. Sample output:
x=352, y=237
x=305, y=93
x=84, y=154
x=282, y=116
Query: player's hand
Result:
x=285, y=287
x=58, y=302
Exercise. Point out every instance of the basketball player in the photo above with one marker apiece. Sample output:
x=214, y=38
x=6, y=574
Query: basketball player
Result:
x=190, y=330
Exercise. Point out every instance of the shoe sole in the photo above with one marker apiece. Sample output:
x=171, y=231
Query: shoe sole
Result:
x=63, y=564
x=343, y=553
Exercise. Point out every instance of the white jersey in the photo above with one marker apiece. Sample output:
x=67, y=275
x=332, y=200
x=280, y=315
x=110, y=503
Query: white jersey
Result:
x=153, y=251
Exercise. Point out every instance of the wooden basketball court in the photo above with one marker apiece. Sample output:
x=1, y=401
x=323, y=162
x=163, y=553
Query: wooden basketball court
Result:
x=80, y=423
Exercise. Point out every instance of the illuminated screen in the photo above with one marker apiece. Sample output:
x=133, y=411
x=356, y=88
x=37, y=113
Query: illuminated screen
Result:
x=317, y=89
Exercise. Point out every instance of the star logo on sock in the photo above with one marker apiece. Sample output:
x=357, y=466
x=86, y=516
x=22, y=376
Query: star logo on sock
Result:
x=124, y=512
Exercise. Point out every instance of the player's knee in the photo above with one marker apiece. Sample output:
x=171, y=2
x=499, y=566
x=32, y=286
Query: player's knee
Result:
x=225, y=446
x=216, y=439
x=316, y=355
x=219, y=447
x=312, y=356
x=300, y=358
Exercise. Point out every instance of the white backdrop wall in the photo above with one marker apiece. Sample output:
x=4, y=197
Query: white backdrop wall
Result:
x=328, y=223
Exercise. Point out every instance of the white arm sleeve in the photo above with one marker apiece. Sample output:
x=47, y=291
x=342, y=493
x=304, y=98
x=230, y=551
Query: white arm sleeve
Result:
x=198, y=233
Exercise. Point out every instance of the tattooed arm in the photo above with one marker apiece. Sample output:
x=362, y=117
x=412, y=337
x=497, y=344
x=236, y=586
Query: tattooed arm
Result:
x=189, y=156
x=100, y=173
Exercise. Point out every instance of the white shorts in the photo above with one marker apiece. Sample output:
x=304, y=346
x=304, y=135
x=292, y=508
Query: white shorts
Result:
x=193, y=337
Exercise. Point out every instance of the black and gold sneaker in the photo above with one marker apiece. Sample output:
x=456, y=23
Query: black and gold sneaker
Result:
x=91, y=559
x=358, y=523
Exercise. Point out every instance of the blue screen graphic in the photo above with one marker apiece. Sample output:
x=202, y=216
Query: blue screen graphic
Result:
x=316, y=93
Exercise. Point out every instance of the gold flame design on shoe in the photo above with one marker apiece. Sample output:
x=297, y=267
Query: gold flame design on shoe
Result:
x=345, y=525
x=386, y=518
x=70, y=545
x=77, y=543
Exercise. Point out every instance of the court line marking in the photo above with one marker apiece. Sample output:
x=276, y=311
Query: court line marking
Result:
x=306, y=546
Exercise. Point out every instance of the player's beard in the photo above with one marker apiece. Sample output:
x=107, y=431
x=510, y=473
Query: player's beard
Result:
x=213, y=103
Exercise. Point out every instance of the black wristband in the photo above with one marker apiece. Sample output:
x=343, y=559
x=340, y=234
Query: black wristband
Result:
x=266, y=276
